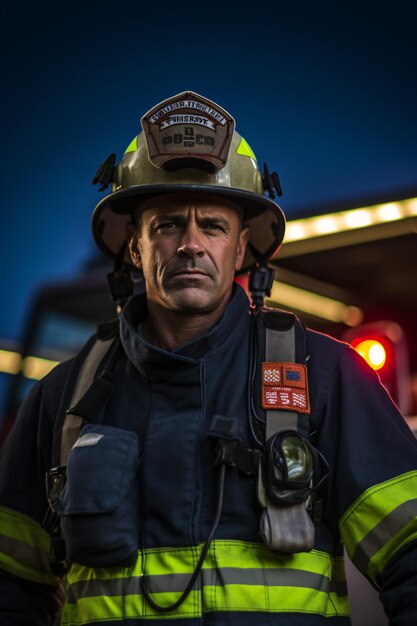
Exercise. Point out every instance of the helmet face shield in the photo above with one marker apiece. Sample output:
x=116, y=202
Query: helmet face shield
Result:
x=188, y=145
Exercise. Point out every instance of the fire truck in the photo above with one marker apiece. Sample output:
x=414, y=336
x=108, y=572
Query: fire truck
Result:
x=347, y=270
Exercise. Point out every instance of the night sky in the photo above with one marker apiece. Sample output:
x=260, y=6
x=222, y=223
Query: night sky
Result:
x=325, y=93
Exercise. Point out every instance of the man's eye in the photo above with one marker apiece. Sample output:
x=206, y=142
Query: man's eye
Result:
x=167, y=226
x=213, y=226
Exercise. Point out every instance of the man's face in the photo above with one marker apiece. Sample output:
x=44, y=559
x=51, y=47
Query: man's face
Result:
x=188, y=248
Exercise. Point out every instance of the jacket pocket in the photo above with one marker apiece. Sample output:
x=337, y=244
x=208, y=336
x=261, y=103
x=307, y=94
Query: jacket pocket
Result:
x=99, y=503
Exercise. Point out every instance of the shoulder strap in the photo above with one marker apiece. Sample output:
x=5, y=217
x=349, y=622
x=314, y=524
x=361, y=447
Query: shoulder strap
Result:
x=284, y=342
x=78, y=382
x=73, y=422
x=280, y=347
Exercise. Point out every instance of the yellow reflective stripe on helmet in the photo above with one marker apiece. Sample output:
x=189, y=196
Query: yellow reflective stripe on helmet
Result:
x=237, y=576
x=245, y=149
x=381, y=522
x=132, y=146
x=24, y=547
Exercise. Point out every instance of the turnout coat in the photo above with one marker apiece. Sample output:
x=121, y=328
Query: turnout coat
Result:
x=164, y=472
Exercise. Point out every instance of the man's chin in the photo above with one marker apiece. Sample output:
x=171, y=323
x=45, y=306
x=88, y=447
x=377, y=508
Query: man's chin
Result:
x=192, y=300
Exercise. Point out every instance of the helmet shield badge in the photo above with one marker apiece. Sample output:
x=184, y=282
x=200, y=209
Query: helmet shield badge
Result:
x=188, y=130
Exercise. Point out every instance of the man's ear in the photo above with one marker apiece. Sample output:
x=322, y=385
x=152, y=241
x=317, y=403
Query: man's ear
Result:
x=132, y=242
x=241, y=247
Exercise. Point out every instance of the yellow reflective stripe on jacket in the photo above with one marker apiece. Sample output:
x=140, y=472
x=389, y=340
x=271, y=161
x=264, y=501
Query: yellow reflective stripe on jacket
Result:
x=236, y=576
x=24, y=547
x=381, y=522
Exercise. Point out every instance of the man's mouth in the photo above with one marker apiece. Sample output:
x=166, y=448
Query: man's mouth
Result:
x=190, y=273
x=187, y=272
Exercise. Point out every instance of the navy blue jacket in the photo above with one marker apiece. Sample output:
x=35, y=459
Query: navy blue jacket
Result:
x=168, y=400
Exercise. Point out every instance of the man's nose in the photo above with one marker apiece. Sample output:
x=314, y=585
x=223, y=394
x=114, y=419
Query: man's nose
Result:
x=191, y=243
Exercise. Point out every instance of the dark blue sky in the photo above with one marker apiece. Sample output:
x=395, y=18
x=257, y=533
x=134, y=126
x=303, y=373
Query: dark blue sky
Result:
x=324, y=92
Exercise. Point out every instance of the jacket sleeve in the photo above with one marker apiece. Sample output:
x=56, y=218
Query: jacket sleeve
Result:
x=29, y=592
x=372, y=489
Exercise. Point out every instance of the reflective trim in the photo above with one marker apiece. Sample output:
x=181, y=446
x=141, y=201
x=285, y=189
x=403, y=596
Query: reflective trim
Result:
x=245, y=149
x=24, y=547
x=104, y=608
x=236, y=576
x=369, y=551
x=174, y=583
x=165, y=583
x=380, y=522
x=132, y=146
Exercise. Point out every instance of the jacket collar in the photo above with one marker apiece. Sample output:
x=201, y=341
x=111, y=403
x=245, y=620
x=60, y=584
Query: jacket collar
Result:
x=157, y=363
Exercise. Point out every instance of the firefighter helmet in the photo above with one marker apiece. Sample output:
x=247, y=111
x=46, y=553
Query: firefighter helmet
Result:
x=188, y=144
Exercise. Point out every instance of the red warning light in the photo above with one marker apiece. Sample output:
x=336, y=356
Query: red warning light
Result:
x=372, y=351
x=384, y=347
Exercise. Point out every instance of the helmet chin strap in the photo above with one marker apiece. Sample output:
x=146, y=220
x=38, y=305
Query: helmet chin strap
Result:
x=261, y=278
x=120, y=281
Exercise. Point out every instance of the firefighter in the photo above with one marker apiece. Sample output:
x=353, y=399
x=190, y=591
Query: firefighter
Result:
x=202, y=460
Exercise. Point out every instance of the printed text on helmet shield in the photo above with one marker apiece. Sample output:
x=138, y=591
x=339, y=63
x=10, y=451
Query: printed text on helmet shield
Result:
x=188, y=130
